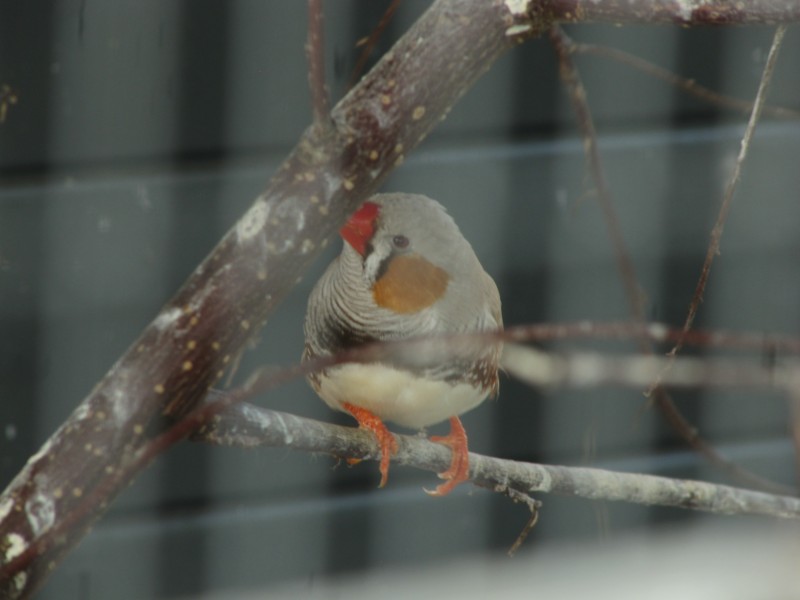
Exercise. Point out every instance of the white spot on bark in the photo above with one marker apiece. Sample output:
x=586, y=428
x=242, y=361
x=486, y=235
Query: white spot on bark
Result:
x=256, y=416
x=332, y=184
x=5, y=508
x=291, y=211
x=265, y=421
x=547, y=482
x=42, y=451
x=15, y=545
x=253, y=221
x=41, y=512
x=200, y=297
x=517, y=7
x=120, y=400
x=81, y=412
x=288, y=438
x=167, y=317
x=686, y=9
x=287, y=245
x=307, y=246
x=379, y=110
x=20, y=579
x=517, y=29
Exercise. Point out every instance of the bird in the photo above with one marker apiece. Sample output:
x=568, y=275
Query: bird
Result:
x=405, y=271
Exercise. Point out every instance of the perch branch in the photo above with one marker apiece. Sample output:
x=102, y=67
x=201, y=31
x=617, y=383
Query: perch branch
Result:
x=251, y=426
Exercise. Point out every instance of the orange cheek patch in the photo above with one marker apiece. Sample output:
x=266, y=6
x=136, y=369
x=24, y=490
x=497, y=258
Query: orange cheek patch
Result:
x=410, y=284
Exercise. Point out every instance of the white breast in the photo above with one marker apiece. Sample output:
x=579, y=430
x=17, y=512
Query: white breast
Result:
x=395, y=395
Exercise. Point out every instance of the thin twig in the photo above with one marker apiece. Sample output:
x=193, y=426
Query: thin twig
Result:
x=690, y=86
x=577, y=92
x=316, y=64
x=564, y=47
x=716, y=232
x=523, y=535
x=368, y=44
x=518, y=498
x=533, y=507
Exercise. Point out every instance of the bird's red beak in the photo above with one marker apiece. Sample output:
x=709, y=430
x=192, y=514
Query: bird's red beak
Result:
x=359, y=229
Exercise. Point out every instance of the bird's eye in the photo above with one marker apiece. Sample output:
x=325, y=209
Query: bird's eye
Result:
x=400, y=241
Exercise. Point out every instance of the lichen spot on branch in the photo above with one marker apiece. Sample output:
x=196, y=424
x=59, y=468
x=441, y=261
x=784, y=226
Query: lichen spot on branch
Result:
x=252, y=223
x=518, y=29
x=13, y=545
x=40, y=509
x=686, y=9
x=5, y=508
x=517, y=7
x=167, y=318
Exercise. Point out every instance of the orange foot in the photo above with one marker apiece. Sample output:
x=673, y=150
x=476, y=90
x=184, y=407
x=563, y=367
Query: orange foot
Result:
x=386, y=441
x=458, y=472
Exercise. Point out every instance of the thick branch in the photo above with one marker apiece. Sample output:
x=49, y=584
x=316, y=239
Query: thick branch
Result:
x=676, y=12
x=251, y=426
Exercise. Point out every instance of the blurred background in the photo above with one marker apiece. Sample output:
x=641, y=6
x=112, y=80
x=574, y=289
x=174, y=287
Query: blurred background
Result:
x=142, y=130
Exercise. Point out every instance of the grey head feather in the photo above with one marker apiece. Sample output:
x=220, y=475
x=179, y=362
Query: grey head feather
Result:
x=341, y=309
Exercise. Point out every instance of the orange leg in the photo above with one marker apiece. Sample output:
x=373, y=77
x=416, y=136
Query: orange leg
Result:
x=386, y=441
x=458, y=472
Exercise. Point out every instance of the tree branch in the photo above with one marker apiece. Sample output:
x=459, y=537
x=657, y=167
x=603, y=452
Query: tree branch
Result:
x=316, y=64
x=246, y=425
x=673, y=12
